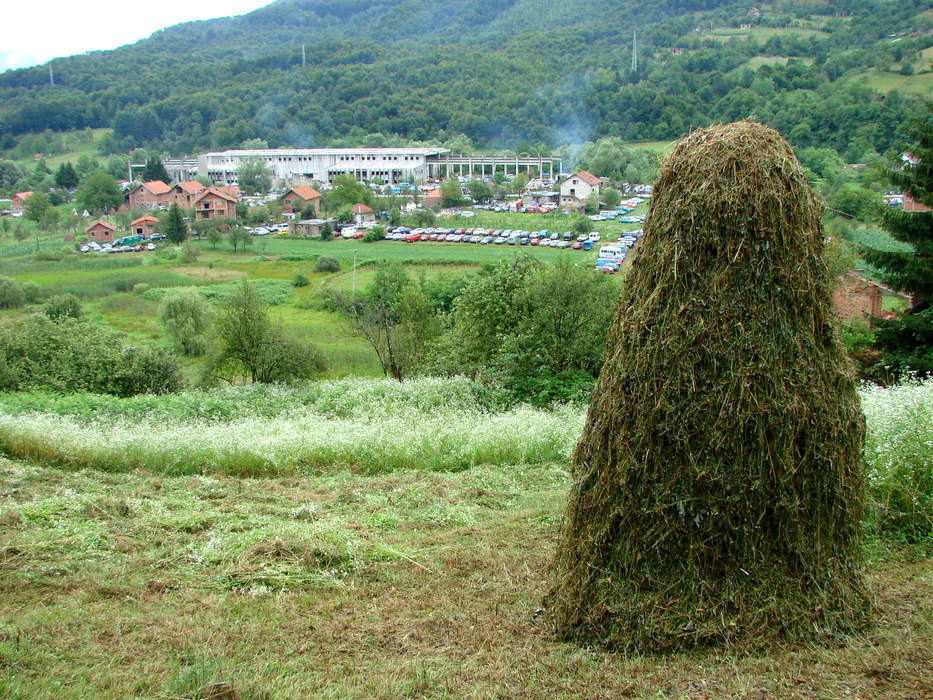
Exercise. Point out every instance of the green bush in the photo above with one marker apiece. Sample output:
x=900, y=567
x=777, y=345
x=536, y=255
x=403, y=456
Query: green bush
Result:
x=327, y=264
x=185, y=315
x=63, y=306
x=299, y=280
x=11, y=294
x=69, y=355
x=32, y=292
x=140, y=288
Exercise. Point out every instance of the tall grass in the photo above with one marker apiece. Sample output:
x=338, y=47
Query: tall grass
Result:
x=899, y=458
x=296, y=443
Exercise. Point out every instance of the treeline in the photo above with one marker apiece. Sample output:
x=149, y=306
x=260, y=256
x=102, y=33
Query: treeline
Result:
x=509, y=78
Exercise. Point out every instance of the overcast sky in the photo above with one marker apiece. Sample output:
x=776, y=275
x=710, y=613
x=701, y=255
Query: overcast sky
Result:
x=37, y=30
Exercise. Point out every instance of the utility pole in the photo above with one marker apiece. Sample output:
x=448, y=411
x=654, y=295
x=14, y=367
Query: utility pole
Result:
x=634, y=54
x=51, y=75
x=354, y=272
x=304, y=57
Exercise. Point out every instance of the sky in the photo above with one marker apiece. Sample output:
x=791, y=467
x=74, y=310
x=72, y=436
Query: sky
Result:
x=38, y=30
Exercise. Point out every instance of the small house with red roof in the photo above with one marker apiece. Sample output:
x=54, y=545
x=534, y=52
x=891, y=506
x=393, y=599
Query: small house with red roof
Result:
x=184, y=193
x=144, y=226
x=100, y=231
x=434, y=198
x=362, y=214
x=297, y=198
x=577, y=187
x=18, y=204
x=154, y=194
x=214, y=203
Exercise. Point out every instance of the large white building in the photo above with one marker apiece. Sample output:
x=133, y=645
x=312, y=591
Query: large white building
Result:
x=301, y=166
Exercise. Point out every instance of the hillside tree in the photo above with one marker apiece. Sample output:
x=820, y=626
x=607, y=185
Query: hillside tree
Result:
x=99, y=192
x=907, y=342
x=254, y=176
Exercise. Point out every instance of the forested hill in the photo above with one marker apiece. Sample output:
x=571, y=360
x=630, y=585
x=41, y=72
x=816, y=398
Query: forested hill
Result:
x=505, y=73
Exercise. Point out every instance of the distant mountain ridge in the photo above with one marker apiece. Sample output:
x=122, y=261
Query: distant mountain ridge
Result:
x=501, y=72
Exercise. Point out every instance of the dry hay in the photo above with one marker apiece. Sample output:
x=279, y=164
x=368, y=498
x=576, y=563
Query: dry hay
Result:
x=718, y=484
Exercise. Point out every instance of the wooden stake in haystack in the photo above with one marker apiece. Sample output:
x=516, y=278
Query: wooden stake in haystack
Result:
x=718, y=485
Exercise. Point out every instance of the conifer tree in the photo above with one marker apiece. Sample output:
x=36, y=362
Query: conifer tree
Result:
x=155, y=170
x=907, y=342
x=176, y=230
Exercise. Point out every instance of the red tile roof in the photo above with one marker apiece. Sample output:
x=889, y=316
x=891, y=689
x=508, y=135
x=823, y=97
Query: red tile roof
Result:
x=190, y=186
x=22, y=195
x=144, y=220
x=157, y=187
x=361, y=209
x=210, y=190
x=587, y=177
x=106, y=224
x=305, y=192
x=232, y=190
x=435, y=194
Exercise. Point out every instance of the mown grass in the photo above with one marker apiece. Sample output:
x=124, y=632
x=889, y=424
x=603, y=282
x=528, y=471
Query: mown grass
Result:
x=409, y=584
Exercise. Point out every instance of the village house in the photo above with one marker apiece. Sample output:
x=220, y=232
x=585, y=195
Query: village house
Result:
x=213, y=204
x=362, y=214
x=18, y=205
x=539, y=197
x=183, y=193
x=144, y=226
x=297, y=198
x=150, y=195
x=306, y=227
x=576, y=188
x=100, y=231
x=434, y=198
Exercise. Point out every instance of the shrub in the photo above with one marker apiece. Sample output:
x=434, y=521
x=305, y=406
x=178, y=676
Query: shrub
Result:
x=32, y=292
x=140, y=288
x=376, y=233
x=327, y=264
x=70, y=355
x=185, y=316
x=11, y=294
x=63, y=306
x=299, y=280
x=188, y=253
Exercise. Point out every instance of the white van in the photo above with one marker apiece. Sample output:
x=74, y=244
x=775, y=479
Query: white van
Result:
x=613, y=252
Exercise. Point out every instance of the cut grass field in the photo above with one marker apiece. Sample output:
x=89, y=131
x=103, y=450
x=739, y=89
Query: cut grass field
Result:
x=883, y=81
x=409, y=584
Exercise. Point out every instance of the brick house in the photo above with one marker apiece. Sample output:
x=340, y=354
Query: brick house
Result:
x=298, y=197
x=213, y=204
x=100, y=231
x=18, y=204
x=911, y=204
x=434, y=198
x=576, y=188
x=150, y=195
x=362, y=214
x=144, y=226
x=184, y=193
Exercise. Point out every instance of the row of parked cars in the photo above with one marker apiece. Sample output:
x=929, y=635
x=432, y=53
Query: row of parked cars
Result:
x=483, y=236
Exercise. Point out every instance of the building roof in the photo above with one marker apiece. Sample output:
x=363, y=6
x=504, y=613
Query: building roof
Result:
x=190, y=186
x=157, y=187
x=588, y=177
x=22, y=195
x=218, y=192
x=145, y=220
x=232, y=190
x=361, y=209
x=106, y=224
x=272, y=152
x=435, y=194
x=305, y=192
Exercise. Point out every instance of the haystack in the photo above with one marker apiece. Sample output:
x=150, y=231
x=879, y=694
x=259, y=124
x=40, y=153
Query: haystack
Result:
x=718, y=484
